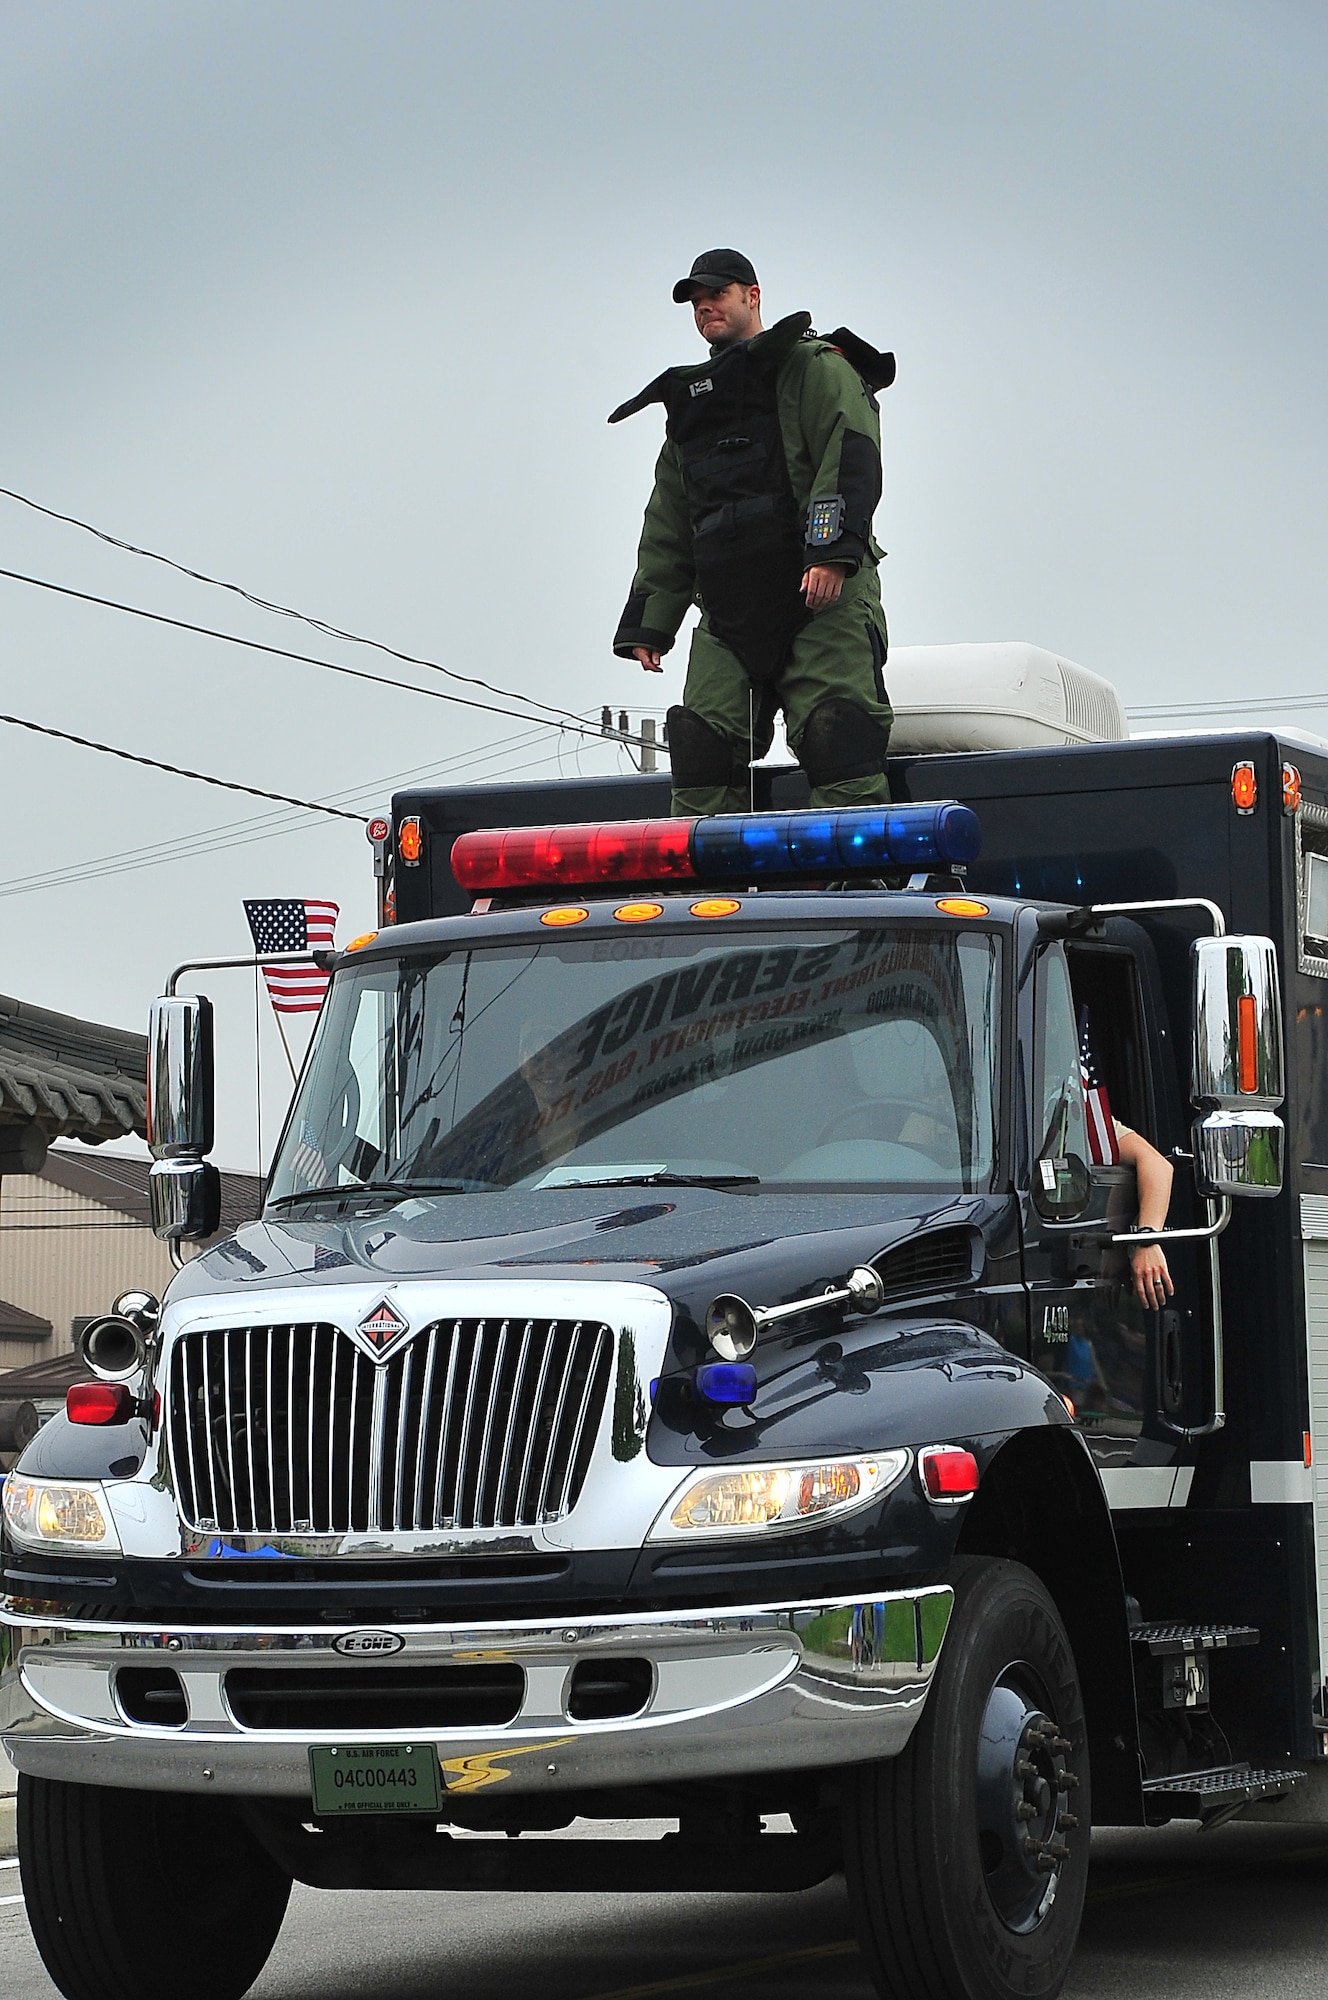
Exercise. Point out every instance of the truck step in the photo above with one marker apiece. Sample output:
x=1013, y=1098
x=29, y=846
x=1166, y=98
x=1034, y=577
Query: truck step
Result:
x=1162, y=1639
x=1219, y=1793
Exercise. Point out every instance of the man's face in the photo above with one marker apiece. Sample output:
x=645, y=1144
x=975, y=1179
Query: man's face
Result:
x=734, y=313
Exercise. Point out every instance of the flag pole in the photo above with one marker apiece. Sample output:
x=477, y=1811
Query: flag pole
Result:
x=284, y=1043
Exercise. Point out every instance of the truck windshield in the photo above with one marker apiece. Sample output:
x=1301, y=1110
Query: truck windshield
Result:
x=855, y=1057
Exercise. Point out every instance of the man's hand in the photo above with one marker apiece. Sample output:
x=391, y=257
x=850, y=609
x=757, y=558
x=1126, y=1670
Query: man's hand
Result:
x=650, y=659
x=822, y=584
x=1152, y=1279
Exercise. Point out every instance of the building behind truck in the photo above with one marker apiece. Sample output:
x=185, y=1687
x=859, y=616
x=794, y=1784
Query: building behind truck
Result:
x=686, y=1368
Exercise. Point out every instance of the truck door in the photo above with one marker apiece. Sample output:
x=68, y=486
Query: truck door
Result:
x=1129, y=1376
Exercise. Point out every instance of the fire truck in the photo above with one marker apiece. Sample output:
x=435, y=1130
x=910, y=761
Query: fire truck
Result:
x=687, y=1370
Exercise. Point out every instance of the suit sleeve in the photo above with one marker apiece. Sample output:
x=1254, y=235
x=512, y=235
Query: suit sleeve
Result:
x=665, y=581
x=843, y=435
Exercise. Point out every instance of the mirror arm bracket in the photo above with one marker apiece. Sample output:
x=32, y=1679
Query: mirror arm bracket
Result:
x=1215, y=915
x=226, y=964
x=1205, y=1235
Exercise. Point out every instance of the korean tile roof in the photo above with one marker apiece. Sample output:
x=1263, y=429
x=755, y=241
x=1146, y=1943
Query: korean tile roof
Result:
x=75, y=1079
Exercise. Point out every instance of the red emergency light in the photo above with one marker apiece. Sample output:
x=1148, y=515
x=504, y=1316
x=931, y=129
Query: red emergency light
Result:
x=524, y=857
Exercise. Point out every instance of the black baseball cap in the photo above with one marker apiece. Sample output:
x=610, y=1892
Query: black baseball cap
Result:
x=713, y=270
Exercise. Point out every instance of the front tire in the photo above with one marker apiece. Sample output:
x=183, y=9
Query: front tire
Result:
x=967, y=1855
x=145, y=1895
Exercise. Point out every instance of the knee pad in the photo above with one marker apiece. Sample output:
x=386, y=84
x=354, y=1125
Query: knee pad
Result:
x=698, y=752
x=840, y=740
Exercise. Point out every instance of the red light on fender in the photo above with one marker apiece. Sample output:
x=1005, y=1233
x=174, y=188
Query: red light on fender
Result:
x=98, y=1403
x=524, y=857
x=948, y=1472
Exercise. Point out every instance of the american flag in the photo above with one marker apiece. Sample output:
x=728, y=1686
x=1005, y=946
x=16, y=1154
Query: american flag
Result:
x=288, y=923
x=1102, y=1146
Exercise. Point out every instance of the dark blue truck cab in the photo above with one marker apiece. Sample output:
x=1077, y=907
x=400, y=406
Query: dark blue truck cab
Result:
x=688, y=1368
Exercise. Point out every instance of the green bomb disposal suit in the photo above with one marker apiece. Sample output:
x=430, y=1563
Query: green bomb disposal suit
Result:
x=771, y=463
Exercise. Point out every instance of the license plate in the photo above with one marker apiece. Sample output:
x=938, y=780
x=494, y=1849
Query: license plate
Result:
x=376, y=1778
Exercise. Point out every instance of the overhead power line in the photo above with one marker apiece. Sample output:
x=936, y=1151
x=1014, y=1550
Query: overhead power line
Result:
x=1242, y=704
x=264, y=826
x=575, y=724
x=179, y=771
x=284, y=610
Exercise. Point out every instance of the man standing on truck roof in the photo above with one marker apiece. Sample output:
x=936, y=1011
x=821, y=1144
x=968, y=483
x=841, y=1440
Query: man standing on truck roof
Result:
x=761, y=515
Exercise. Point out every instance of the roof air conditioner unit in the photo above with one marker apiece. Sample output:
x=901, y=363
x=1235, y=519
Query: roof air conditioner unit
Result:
x=996, y=697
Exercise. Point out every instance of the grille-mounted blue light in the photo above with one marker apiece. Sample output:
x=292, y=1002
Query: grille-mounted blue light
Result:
x=848, y=840
x=726, y=1382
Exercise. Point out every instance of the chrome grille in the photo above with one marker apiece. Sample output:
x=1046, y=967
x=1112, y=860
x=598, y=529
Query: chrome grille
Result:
x=475, y=1423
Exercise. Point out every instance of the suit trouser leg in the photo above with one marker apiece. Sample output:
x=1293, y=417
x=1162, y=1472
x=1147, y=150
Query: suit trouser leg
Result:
x=737, y=710
x=837, y=659
x=832, y=690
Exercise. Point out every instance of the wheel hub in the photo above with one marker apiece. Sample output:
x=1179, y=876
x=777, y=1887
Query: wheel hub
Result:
x=1023, y=1803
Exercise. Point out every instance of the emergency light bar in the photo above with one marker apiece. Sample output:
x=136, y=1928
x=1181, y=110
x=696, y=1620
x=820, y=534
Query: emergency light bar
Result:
x=744, y=845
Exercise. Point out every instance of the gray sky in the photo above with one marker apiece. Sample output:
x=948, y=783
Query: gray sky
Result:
x=333, y=299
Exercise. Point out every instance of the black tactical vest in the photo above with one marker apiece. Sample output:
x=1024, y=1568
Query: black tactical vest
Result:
x=747, y=533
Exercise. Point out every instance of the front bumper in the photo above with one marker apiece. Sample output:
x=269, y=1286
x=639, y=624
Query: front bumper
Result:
x=734, y=1691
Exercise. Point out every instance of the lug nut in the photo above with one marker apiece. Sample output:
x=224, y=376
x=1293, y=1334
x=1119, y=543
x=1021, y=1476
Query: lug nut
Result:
x=1026, y=1768
x=1068, y=1820
x=1025, y=1811
x=1066, y=1781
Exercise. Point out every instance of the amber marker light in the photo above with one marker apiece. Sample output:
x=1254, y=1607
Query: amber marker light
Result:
x=961, y=906
x=567, y=913
x=410, y=841
x=1244, y=789
x=716, y=906
x=1247, y=1044
x=1290, y=789
x=364, y=938
x=637, y=913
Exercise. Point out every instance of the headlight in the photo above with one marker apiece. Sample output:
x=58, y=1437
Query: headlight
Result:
x=46, y=1513
x=771, y=1497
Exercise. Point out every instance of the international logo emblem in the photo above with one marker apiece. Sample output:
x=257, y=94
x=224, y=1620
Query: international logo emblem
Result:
x=382, y=1328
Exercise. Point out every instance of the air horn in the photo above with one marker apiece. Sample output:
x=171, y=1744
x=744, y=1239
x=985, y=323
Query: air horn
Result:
x=732, y=1325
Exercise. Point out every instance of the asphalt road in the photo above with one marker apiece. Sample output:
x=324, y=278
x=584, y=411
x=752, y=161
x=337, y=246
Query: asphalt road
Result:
x=1242, y=1912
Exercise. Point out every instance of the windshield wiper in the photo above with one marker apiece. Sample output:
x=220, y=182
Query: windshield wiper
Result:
x=664, y=1178
x=397, y=1190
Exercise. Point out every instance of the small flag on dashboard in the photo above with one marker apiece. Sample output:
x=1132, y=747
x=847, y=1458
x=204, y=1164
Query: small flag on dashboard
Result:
x=292, y=923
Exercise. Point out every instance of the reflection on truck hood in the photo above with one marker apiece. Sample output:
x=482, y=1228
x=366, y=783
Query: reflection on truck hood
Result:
x=692, y=1240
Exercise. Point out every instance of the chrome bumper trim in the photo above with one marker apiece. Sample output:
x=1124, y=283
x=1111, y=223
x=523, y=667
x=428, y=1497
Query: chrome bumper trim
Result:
x=735, y=1690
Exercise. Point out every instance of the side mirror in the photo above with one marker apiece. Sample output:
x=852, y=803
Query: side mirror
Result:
x=1238, y=1152
x=1061, y=1187
x=185, y=1196
x=1237, y=1078
x=180, y=1078
x=1237, y=1024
